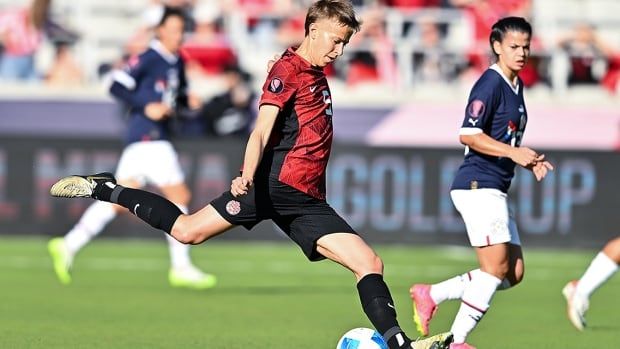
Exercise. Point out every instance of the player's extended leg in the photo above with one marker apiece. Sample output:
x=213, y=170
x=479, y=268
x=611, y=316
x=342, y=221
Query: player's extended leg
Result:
x=93, y=221
x=183, y=273
x=494, y=265
x=426, y=298
x=155, y=210
x=353, y=253
x=578, y=292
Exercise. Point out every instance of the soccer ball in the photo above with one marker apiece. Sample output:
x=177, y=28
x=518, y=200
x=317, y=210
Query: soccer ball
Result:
x=361, y=338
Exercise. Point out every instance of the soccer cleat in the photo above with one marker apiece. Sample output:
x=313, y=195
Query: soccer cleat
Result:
x=191, y=277
x=61, y=259
x=81, y=186
x=438, y=341
x=576, y=305
x=424, y=307
x=461, y=346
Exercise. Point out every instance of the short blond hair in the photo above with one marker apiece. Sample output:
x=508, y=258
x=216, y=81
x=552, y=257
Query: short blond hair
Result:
x=340, y=10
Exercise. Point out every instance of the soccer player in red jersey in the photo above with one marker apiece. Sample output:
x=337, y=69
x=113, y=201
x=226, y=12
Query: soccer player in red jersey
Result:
x=283, y=177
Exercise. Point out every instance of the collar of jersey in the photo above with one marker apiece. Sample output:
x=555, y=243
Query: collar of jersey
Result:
x=499, y=71
x=293, y=51
x=163, y=52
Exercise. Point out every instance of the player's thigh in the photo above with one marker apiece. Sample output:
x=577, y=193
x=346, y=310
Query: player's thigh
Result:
x=200, y=226
x=351, y=251
x=486, y=216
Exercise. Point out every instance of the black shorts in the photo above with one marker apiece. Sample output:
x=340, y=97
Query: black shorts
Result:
x=303, y=218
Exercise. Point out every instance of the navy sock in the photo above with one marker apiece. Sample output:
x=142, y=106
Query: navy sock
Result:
x=379, y=307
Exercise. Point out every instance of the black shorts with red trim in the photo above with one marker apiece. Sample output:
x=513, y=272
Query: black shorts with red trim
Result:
x=303, y=218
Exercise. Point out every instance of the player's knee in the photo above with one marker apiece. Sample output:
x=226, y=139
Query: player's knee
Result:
x=500, y=270
x=184, y=233
x=374, y=265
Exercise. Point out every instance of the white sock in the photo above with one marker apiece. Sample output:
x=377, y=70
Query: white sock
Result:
x=601, y=268
x=179, y=253
x=453, y=288
x=476, y=299
x=92, y=222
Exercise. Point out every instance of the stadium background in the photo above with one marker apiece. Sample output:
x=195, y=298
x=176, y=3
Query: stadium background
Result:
x=396, y=148
x=396, y=145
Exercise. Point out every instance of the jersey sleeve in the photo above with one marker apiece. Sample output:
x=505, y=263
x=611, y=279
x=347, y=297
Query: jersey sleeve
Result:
x=281, y=84
x=126, y=80
x=481, y=106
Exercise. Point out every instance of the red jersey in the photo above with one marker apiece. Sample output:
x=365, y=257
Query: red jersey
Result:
x=301, y=139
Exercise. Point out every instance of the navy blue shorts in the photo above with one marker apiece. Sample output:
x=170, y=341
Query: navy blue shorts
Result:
x=303, y=218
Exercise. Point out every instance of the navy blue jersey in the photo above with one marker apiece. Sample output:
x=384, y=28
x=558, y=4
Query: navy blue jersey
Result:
x=497, y=109
x=154, y=76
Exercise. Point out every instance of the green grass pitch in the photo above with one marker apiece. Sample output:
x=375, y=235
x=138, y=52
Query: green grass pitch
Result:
x=270, y=297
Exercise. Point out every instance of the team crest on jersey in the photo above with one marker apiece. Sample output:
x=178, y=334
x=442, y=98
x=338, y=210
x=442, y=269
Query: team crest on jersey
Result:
x=511, y=130
x=160, y=86
x=233, y=207
x=276, y=85
x=476, y=108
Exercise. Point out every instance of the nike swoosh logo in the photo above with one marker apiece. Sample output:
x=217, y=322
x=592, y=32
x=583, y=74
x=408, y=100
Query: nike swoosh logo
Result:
x=312, y=88
x=391, y=306
x=136, y=209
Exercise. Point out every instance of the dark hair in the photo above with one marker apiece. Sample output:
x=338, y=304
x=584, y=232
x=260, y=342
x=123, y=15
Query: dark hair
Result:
x=340, y=10
x=39, y=13
x=169, y=12
x=504, y=25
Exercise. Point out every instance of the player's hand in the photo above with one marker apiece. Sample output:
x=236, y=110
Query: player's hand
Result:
x=241, y=186
x=541, y=168
x=524, y=156
x=272, y=62
x=157, y=111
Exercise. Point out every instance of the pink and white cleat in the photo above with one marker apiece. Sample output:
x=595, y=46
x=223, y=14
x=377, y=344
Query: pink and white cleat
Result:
x=424, y=307
x=461, y=346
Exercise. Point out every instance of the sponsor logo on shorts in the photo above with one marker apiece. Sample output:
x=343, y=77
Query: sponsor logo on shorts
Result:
x=233, y=207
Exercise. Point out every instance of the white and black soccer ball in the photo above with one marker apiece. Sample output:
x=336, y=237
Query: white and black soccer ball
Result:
x=361, y=338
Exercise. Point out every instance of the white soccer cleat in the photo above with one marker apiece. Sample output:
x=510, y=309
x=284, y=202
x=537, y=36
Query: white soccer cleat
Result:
x=576, y=305
x=191, y=277
x=80, y=186
x=438, y=341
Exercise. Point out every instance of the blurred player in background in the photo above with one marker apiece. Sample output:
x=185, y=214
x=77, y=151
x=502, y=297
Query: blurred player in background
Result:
x=577, y=292
x=153, y=86
x=492, y=130
x=283, y=177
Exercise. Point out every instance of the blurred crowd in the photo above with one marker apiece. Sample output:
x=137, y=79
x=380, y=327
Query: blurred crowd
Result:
x=402, y=43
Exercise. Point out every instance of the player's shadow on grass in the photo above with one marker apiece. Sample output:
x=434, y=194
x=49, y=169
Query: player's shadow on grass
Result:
x=284, y=289
x=603, y=328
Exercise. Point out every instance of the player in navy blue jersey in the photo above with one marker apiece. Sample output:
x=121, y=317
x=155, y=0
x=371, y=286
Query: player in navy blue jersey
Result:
x=578, y=292
x=283, y=177
x=153, y=87
x=492, y=130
